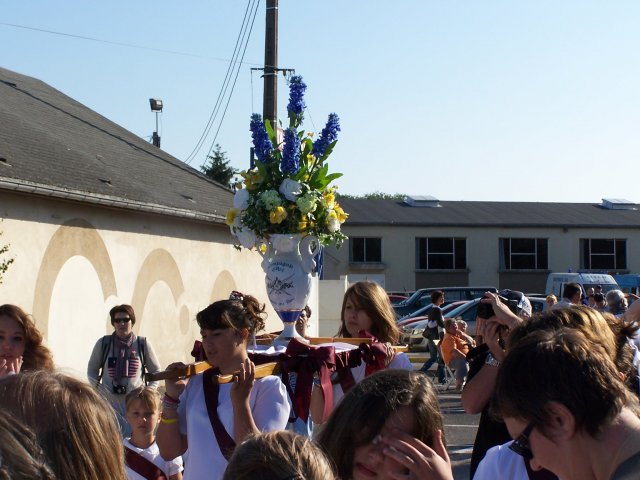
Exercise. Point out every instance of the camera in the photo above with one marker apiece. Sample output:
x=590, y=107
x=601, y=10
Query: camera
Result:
x=119, y=389
x=485, y=310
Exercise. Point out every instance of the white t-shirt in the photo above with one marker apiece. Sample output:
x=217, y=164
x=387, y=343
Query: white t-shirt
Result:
x=269, y=407
x=501, y=462
x=400, y=360
x=152, y=453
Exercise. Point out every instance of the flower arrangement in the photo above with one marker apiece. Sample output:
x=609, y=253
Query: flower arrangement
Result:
x=288, y=190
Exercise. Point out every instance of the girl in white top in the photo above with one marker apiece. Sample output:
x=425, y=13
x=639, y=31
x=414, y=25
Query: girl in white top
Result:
x=245, y=407
x=365, y=307
x=143, y=412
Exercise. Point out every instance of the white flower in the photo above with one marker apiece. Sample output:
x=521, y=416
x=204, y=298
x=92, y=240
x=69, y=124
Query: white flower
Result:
x=333, y=224
x=241, y=199
x=246, y=237
x=290, y=189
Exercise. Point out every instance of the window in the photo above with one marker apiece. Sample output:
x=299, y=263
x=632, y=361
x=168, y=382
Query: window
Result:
x=441, y=253
x=524, y=254
x=603, y=254
x=365, y=250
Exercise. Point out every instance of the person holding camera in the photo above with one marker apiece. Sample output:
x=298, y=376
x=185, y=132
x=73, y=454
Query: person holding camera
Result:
x=120, y=362
x=499, y=314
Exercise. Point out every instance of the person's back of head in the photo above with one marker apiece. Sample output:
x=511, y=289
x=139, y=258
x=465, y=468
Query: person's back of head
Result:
x=75, y=426
x=276, y=456
x=616, y=301
x=565, y=367
x=21, y=457
x=436, y=296
x=571, y=290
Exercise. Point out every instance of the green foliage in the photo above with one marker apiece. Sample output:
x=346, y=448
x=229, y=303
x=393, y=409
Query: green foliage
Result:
x=217, y=167
x=4, y=264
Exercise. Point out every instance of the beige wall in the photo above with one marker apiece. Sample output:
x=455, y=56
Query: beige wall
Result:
x=74, y=262
x=398, y=255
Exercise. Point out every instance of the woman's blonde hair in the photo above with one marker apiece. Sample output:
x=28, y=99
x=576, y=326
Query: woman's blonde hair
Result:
x=75, y=426
x=276, y=456
x=372, y=298
x=36, y=355
x=21, y=457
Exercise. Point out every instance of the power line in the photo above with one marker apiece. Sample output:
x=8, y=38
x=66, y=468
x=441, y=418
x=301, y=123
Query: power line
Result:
x=121, y=44
x=235, y=79
x=223, y=88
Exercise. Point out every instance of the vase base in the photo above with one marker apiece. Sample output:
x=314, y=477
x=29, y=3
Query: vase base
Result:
x=288, y=333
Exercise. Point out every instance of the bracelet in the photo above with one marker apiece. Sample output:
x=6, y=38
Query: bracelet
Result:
x=168, y=420
x=491, y=360
x=169, y=406
x=170, y=399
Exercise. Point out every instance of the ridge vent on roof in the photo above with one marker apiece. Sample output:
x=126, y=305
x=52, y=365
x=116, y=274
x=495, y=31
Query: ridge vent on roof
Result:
x=422, y=201
x=617, y=204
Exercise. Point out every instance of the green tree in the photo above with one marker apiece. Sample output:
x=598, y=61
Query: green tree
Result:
x=376, y=196
x=217, y=167
x=4, y=264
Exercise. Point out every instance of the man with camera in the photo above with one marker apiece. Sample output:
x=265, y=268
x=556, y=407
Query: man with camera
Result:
x=120, y=361
x=497, y=314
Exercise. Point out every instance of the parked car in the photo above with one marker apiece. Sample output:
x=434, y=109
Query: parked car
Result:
x=397, y=298
x=422, y=297
x=424, y=311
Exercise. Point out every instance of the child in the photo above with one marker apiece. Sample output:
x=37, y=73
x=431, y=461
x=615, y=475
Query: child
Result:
x=142, y=457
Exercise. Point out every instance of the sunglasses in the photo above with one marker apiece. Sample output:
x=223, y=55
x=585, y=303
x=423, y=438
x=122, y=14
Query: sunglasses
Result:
x=521, y=444
x=122, y=320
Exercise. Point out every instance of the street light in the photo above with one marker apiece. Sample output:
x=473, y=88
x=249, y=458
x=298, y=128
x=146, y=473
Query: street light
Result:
x=156, y=106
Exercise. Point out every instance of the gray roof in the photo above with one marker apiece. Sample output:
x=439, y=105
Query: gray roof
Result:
x=52, y=145
x=487, y=214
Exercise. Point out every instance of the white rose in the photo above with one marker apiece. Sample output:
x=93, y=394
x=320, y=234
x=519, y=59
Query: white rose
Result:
x=246, y=237
x=333, y=224
x=290, y=189
x=241, y=199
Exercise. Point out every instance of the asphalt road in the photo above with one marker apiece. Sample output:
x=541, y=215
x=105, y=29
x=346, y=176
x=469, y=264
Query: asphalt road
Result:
x=460, y=428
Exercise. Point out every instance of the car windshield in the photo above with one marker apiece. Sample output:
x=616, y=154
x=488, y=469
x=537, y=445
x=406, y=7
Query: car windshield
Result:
x=456, y=312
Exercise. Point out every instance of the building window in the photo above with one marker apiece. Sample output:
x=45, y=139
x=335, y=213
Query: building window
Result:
x=603, y=254
x=365, y=249
x=524, y=254
x=441, y=253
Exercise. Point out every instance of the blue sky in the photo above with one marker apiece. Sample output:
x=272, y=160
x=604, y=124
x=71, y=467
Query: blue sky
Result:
x=462, y=100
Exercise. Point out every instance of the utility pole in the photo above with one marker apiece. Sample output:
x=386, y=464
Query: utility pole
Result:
x=270, y=99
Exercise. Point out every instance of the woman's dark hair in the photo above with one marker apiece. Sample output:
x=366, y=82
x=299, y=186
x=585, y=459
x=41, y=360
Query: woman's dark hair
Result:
x=36, y=356
x=363, y=412
x=372, y=298
x=124, y=308
x=561, y=365
x=246, y=312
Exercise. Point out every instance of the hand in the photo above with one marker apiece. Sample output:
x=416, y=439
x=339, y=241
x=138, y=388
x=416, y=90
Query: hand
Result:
x=391, y=354
x=174, y=388
x=502, y=314
x=243, y=382
x=10, y=367
x=409, y=458
x=492, y=337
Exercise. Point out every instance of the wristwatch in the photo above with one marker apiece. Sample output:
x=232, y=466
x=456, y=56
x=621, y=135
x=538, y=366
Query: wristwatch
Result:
x=491, y=360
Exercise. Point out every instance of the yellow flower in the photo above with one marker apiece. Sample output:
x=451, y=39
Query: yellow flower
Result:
x=311, y=158
x=342, y=215
x=231, y=216
x=329, y=199
x=262, y=248
x=303, y=224
x=252, y=179
x=277, y=215
x=310, y=134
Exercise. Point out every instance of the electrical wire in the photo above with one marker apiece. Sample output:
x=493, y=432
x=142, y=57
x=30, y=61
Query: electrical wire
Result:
x=234, y=80
x=223, y=88
x=122, y=44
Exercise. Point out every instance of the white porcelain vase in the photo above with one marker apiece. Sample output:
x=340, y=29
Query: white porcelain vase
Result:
x=288, y=265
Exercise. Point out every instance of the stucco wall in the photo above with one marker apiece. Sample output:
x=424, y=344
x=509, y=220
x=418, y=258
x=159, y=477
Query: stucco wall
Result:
x=74, y=262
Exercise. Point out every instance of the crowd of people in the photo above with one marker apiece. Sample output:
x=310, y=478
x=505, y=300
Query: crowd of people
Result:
x=557, y=393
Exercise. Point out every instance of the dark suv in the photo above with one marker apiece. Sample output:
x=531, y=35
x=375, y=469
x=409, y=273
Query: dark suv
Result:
x=422, y=297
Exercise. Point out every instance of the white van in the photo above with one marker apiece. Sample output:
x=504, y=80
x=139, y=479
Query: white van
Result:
x=557, y=281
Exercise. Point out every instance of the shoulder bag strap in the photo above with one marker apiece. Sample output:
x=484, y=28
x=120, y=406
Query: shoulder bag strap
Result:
x=142, y=346
x=142, y=466
x=211, y=390
x=106, y=346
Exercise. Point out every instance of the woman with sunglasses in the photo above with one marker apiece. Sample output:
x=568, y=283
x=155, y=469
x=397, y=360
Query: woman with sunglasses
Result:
x=120, y=361
x=564, y=402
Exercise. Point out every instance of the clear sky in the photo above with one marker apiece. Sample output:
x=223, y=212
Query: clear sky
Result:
x=505, y=100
